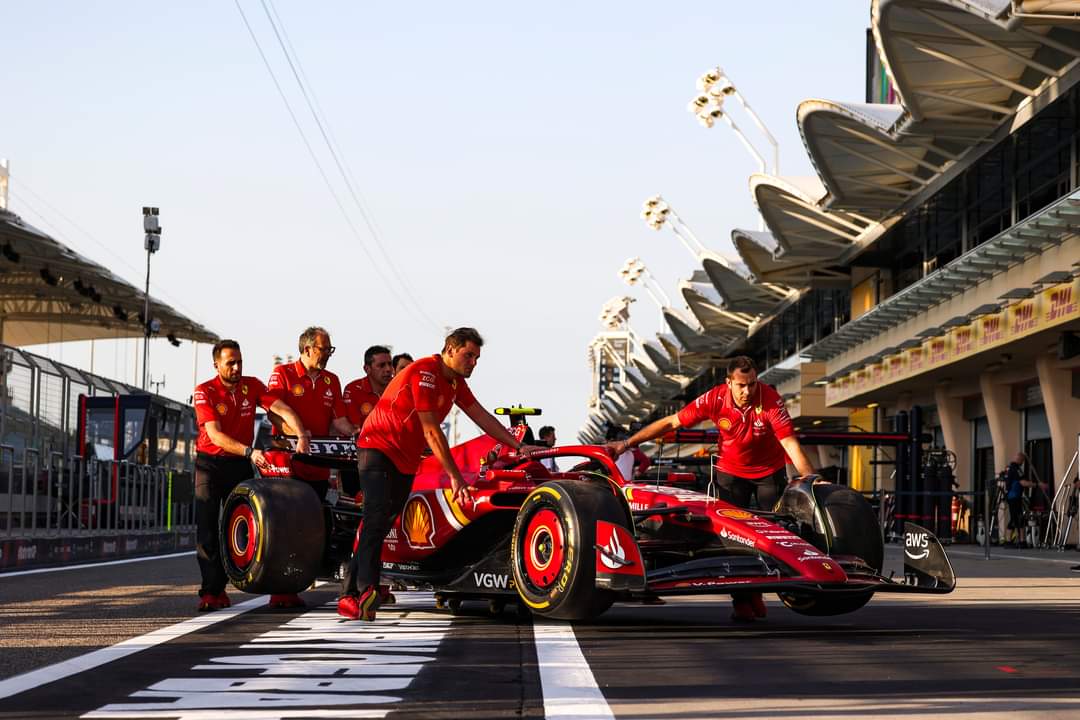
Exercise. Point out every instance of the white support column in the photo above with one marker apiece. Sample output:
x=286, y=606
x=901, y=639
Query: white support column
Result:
x=1062, y=412
x=957, y=432
x=1004, y=422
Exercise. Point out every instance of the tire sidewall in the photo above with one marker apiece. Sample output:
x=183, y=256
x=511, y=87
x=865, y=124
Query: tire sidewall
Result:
x=579, y=504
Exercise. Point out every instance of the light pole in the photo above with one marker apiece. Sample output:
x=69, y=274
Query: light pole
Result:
x=714, y=87
x=634, y=272
x=152, y=243
x=657, y=213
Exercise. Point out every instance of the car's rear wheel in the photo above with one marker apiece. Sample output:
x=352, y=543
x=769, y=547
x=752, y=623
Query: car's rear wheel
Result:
x=552, y=549
x=838, y=521
x=272, y=536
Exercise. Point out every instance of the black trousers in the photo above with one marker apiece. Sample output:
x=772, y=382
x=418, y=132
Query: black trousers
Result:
x=385, y=491
x=215, y=478
x=738, y=490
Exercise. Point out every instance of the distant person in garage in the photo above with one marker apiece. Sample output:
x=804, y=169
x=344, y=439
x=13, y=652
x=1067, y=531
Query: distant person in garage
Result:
x=314, y=393
x=756, y=441
x=403, y=424
x=225, y=412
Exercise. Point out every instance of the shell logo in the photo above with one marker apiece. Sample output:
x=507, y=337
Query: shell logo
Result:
x=737, y=514
x=297, y=390
x=222, y=408
x=418, y=523
x=725, y=424
x=366, y=409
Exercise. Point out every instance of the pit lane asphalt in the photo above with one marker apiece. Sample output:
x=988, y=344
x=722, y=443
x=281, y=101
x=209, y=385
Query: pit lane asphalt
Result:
x=1006, y=643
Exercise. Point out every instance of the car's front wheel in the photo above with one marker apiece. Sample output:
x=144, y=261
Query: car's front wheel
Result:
x=552, y=550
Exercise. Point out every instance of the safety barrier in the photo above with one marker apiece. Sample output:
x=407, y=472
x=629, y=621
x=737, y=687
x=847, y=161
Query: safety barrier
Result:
x=58, y=496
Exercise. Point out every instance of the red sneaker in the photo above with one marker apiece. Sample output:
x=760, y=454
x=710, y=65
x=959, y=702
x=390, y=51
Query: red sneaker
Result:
x=742, y=611
x=385, y=596
x=222, y=601
x=207, y=603
x=758, y=603
x=348, y=607
x=368, y=602
x=286, y=600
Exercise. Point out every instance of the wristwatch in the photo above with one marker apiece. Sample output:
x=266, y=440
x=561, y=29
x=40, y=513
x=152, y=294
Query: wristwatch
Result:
x=247, y=452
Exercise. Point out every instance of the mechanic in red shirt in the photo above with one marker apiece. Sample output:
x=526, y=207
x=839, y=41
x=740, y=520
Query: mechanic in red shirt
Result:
x=314, y=393
x=756, y=440
x=225, y=413
x=405, y=422
x=361, y=395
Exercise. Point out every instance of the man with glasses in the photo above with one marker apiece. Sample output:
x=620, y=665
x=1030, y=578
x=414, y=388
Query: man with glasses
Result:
x=314, y=393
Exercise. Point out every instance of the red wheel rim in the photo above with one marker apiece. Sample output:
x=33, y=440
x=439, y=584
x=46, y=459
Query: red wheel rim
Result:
x=243, y=536
x=544, y=549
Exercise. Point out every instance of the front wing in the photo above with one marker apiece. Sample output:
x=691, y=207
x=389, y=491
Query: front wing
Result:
x=926, y=570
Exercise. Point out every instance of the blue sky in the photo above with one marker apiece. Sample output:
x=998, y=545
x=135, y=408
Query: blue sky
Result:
x=503, y=151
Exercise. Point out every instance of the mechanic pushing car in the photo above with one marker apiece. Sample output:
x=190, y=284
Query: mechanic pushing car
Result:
x=315, y=394
x=225, y=413
x=405, y=422
x=756, y=440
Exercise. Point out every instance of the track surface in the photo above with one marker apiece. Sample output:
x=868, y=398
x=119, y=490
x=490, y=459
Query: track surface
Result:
x=1005, y=644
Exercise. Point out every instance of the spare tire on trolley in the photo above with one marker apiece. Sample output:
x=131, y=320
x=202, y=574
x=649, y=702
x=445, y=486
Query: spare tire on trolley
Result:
x=552, y=548
x=838, y=521
x=272, y=536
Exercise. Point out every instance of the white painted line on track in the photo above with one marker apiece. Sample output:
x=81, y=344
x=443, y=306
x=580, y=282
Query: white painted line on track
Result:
x=566, y=681
x=67, y=668
x=37, y=571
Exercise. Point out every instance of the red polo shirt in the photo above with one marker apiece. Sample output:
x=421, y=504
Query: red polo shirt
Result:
x=749, y=443
x=394, y=428
x=234, y=410
x=359, y=400
x=316, y=400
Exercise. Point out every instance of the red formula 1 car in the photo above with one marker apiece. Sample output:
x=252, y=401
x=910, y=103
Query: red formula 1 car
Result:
x=570, y=541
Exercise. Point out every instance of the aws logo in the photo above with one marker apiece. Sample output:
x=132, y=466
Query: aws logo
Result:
x=917, y=545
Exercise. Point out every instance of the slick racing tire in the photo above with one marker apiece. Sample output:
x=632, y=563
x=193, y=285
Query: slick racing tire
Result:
x=821, y=604
x=552, y=548
x=845, y=524
x=272, y=536
x=852, y=529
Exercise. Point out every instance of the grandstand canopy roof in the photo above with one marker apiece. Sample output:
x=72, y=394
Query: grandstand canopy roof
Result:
x=50, y=293
x=737, y=290
x=808, y=239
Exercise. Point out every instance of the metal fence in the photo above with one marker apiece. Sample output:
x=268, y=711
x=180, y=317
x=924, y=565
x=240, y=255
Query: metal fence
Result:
x=53, y=495
x=47, y=489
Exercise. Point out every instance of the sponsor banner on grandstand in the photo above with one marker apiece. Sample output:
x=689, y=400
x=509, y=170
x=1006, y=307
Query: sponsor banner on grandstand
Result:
x=23, y=553
x=1046, y=309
